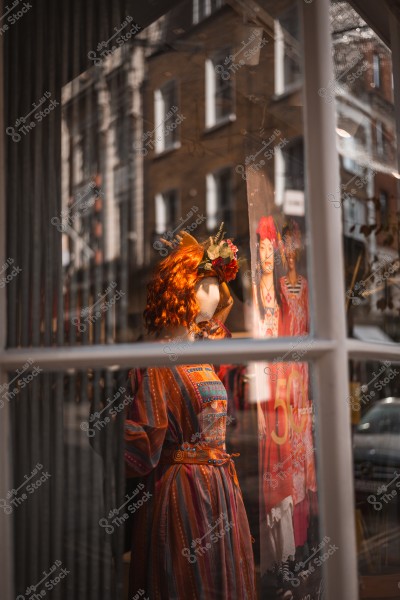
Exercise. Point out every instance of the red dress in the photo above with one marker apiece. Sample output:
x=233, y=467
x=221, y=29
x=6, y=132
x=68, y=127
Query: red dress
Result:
x=296, y=323
x=277, y=542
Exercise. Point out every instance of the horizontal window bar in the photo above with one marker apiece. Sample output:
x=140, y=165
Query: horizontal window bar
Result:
x=372, y=350
x=170, y=354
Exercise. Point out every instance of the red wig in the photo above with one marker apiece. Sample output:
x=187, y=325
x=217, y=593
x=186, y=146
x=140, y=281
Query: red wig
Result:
x=171, y=299
x=266, y=230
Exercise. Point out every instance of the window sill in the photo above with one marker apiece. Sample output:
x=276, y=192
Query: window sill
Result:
x=221, y=123
x=167, y=151
x=288, y=91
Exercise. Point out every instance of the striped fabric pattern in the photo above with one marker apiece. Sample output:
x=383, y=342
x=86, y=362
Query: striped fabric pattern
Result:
x=191, y=538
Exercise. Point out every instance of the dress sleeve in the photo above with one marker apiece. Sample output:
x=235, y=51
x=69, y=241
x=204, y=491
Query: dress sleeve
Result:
x=307, y=306
x=146, y=425
x=218, y=330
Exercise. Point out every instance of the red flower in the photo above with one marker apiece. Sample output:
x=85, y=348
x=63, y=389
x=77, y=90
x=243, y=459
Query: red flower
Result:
x=230, y=271
x=217, y=261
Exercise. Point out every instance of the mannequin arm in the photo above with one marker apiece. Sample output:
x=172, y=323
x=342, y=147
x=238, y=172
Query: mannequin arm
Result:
x=225, y=303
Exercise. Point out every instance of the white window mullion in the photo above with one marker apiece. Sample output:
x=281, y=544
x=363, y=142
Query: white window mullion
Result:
x=144, y=354
x=336, y=492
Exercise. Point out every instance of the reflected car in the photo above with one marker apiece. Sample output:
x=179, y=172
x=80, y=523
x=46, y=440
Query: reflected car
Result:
x=376, y=451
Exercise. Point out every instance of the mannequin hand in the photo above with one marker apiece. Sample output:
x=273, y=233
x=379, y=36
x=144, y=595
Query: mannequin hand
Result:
x=225, y=303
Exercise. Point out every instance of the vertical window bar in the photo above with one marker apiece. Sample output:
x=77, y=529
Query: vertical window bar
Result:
x=333, y=426
x=102, y=107
x=53, y=383
x=13, y=105
x=97, y=536
x=6, y=521
x=71, y=456
x=62, y=551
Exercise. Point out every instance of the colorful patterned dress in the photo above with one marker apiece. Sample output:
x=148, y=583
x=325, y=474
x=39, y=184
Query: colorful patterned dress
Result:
x=277, y=542
x=191, y=538
x=295, y=299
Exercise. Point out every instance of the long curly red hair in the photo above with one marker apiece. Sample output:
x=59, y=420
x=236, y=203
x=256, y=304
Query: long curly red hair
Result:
x=171, y=299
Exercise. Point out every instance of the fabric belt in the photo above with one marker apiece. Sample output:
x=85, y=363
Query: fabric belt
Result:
x=202, y=455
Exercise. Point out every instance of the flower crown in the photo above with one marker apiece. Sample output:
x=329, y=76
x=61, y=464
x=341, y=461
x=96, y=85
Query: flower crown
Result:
x=220, y=257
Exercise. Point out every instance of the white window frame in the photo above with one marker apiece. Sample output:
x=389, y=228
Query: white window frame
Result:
x=162, y=144
x=210, y=88
x=329, y=352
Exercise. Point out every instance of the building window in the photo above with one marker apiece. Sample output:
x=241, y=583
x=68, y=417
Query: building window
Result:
x=354, y=216
x=379, y=138
x=165, y=133
x=204, y=8
x=350, y=152
x=219, y=92
x=294, y=165
x=287, y=51
x=384, y=208
x=376, y=70
x=166, y=211
x=219, y=204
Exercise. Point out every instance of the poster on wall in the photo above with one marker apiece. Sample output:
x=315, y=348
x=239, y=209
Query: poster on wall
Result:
x=288, y=508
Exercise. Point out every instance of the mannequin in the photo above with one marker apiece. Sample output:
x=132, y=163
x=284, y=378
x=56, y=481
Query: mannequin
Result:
x=207, y=296
x=277, y=543
x=294, y=290
x=192, y=538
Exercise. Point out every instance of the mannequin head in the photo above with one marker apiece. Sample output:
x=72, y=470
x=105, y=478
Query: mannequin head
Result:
x=267, y=246
x=290, y=252
x=266, y=250
x=185, y=287
x=207, y=297
x=292, y=243
x=171, y=293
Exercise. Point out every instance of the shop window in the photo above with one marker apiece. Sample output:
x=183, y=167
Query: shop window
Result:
x=166, y=117
x=219, y=92
x=73, y=422
x=219, y=199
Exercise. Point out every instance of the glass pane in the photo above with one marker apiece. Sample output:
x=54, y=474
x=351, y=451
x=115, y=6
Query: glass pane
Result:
x=168, y=125
x=369, y=194
x=374, y=402
x=217, y=496
x=154, y=125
